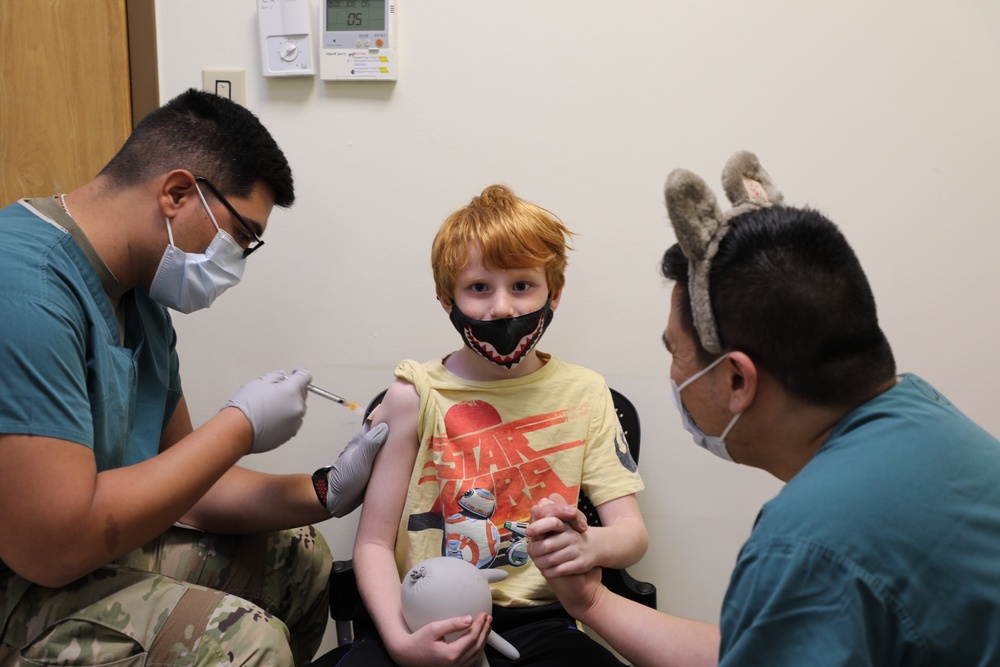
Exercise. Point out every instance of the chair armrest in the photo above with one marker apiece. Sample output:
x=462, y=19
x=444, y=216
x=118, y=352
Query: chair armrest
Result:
x=344, y=595
x=344, y=599
x=627, y=586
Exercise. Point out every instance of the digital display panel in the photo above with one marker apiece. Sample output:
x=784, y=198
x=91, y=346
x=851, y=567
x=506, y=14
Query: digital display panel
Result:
x=355, y=15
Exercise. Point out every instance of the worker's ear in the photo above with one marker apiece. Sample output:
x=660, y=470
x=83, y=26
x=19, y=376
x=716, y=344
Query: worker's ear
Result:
x=742, y=381
x=173, y=191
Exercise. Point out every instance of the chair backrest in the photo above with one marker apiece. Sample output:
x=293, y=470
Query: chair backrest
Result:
x=628, y=417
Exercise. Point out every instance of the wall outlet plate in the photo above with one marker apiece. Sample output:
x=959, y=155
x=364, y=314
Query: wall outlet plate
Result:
x=228, y=82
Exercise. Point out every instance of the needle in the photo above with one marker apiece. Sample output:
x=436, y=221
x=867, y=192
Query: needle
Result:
x=333, y=397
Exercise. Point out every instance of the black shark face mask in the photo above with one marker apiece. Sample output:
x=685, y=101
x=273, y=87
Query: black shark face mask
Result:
x=505, y=342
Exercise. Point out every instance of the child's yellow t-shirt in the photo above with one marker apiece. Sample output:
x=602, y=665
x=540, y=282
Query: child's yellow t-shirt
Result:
x=490, y=450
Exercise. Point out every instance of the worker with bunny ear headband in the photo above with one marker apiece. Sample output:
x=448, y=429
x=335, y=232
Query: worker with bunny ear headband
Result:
x=881, y=548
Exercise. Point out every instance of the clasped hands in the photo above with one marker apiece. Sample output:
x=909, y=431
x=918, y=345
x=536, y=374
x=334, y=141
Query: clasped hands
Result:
x=559, y=547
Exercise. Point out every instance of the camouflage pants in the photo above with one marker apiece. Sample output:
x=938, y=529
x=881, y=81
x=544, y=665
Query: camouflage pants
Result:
x=188, y=598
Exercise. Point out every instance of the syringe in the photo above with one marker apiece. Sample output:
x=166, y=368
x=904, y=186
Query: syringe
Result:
x=332, y=397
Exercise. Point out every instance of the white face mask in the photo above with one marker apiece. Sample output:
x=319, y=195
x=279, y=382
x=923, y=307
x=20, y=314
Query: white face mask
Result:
x=713, y=443
x=187, y=281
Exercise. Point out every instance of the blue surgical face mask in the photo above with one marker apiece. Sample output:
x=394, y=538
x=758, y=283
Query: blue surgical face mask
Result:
x=187, y=281
x=713, y=443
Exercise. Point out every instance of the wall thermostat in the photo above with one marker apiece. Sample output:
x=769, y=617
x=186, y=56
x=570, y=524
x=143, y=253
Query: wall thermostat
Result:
x=285, y=37
x=358, y=40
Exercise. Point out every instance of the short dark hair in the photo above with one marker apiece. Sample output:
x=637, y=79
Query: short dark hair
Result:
x=788, y=290
x=210, y=136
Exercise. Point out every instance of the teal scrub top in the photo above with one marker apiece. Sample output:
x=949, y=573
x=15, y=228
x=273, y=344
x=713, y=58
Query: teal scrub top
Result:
x=65, y=370
x=883, y=550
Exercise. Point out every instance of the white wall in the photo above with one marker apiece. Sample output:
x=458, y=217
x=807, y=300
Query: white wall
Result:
x=883, y=115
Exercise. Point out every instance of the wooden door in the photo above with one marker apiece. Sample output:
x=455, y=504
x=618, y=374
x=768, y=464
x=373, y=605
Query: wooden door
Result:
x=65, y=102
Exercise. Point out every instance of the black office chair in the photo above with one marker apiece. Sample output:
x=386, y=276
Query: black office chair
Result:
x=345, y=600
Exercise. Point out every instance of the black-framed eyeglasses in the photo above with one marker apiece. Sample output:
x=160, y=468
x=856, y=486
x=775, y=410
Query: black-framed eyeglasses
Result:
x=257, y=241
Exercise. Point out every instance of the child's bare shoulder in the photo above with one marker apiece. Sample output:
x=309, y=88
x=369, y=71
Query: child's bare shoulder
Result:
x=398, y=406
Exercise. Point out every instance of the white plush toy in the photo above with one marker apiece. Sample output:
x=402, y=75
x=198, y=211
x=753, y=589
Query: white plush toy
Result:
x=443, y=587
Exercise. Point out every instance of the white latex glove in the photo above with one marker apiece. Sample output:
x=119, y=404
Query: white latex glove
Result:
x=275, y=405
x=347, y=478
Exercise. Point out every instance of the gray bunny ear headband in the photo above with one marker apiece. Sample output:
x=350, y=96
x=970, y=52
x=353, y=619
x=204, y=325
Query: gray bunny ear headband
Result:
x=700, y=226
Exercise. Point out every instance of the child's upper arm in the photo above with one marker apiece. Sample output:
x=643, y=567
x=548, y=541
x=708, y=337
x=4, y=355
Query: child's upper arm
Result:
x=387, y=487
